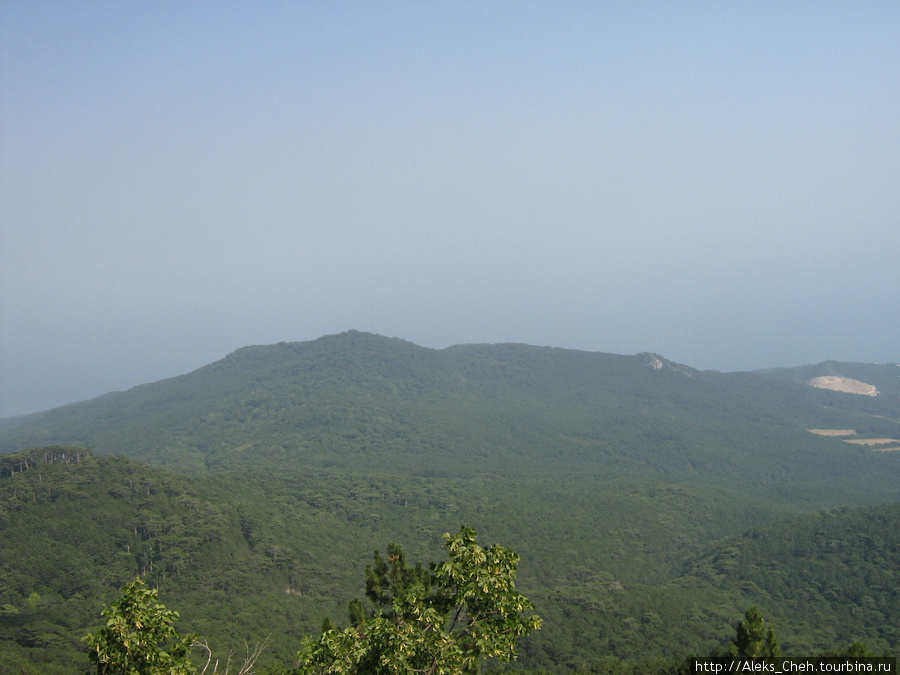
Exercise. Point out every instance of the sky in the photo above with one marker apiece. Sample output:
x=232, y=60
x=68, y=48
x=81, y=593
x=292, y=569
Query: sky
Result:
x=715, y=182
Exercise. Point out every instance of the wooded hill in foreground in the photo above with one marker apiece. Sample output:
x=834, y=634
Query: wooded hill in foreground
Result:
x=625, y=483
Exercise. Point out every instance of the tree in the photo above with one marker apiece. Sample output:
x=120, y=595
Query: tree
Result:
x=134, y=640
x=855, y=649
x=754, y=638
x=437, y=621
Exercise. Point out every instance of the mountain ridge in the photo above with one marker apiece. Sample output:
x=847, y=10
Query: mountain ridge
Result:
x=371, y=394
x=657, y=361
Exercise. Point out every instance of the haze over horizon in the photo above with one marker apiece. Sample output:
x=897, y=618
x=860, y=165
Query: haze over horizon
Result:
x=716, y=183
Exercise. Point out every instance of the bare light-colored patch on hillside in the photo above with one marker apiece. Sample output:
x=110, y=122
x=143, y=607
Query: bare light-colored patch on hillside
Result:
x=873, y=441
x=843, y=384
x=879, y=444
x=832, y=432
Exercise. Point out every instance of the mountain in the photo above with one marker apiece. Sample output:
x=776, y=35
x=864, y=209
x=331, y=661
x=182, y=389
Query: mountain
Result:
x=885, y=377
x=366, y=402
x=615, y=478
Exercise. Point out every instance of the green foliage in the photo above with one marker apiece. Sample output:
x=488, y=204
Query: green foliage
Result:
x=75, y=527
x=855, y=649
x=442, y=622
x=828, y=578
x=140, y=637
x=622, y=567
x=624, y=482
x=364, y=401
x=754, y=638
x=387, y=580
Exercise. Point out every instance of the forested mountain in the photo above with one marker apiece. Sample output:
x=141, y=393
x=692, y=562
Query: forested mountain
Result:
x=651, y=503
x=363, y=401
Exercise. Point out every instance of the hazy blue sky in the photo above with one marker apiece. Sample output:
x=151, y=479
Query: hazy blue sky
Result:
x=716, y=182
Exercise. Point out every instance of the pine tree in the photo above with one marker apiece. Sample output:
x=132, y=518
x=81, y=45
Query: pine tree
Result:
x=754, y=638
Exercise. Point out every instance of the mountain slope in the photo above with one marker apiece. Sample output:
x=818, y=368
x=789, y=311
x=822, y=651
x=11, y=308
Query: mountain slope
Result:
x=366, y=402
x=828, y=577
x=76, y=526
x=620, y=569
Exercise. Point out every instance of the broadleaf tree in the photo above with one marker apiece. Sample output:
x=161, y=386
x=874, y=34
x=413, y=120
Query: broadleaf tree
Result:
x=438, y=621
x=140, y=637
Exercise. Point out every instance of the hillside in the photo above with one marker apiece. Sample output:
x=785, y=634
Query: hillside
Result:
x=829, y=576
x=246, y=561
x=366, y=402
x=75, y=526
x=612, y=476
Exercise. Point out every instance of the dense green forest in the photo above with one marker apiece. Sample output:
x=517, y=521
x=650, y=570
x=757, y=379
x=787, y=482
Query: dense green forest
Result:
x=650, y=503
